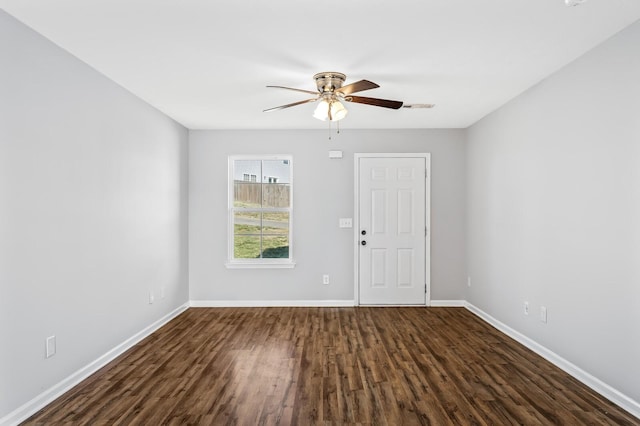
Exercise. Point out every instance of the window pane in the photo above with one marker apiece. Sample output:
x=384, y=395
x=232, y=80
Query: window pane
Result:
x=276, y=183
x=246, y=194
x=275, y=171
x=246, y=247
x=275, y=222
x=275, y=246
x=247, y=170
x=247, y=191
x=247, y=222
x=275, y=195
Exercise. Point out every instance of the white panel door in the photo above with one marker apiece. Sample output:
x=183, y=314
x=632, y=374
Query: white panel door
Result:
x=392, y=253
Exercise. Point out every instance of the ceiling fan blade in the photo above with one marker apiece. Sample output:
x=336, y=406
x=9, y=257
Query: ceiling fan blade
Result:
x=418, y=105
x=386, y=103
x=358, y=86
x=290, y=105
x=297, y=90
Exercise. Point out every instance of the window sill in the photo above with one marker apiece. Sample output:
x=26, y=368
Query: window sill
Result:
x=289, y=264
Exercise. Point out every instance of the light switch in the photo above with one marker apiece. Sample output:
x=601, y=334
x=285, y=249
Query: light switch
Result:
x=346, y=222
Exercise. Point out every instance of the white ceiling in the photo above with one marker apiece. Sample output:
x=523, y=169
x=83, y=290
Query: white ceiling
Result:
x=206, y=63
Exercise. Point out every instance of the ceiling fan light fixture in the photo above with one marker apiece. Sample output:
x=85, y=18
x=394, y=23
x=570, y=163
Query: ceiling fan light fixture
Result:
x=322, y=110
x=330, y=110
x=338, y=111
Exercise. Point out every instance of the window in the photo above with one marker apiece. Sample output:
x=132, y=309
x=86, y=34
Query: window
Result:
x=260, y=211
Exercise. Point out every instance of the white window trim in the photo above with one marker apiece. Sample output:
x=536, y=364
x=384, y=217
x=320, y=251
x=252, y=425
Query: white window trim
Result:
x=272, y=263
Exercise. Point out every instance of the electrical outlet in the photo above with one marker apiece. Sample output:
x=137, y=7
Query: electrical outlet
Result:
x=151, y=298
x=50, y=345
x=526, y=308
x=468, y=281
x=543, y=314
x=325, y=279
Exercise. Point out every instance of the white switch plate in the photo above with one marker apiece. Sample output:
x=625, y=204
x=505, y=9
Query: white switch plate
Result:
x=50, y=346
x=345, y=222
x=151, y=298
x=335, y=154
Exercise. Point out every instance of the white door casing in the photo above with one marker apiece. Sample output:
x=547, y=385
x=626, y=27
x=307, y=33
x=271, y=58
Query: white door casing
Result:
x=392, y=210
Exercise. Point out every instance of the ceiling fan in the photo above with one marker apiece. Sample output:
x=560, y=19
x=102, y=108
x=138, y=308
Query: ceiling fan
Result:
x=331, y=93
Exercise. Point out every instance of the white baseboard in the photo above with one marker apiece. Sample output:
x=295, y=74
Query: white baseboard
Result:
x=448, y=304
x=30, y=408
x=594, y=383
x=270, y=303
x=303, y=303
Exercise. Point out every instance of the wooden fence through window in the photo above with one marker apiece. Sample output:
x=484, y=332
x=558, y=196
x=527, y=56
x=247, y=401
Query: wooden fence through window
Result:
x=264, y=194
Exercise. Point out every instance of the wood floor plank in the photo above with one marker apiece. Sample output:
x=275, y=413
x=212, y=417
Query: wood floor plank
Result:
x=330, y=366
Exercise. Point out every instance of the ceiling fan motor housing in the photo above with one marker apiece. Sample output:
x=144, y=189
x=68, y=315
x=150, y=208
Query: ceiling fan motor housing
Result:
x=329, y=81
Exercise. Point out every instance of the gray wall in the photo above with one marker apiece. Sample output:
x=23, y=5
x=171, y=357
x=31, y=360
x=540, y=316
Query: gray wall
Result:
x=323, y=192
x=540, y=200
x=554, y=212
x=93, y=214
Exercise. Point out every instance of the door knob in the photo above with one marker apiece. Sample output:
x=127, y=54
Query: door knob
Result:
x=364, y=243
x=363, y=232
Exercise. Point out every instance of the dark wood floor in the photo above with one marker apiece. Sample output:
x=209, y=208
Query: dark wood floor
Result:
x=386, y=366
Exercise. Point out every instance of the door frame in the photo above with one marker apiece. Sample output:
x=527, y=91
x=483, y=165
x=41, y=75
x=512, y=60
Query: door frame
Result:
x=356, y=219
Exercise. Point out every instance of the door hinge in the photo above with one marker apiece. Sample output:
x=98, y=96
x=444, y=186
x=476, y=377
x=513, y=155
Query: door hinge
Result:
x=425, y=288
x=426, y=173
x=425, y=231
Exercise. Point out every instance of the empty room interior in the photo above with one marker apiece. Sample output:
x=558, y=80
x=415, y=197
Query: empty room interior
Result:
x=320, y=213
